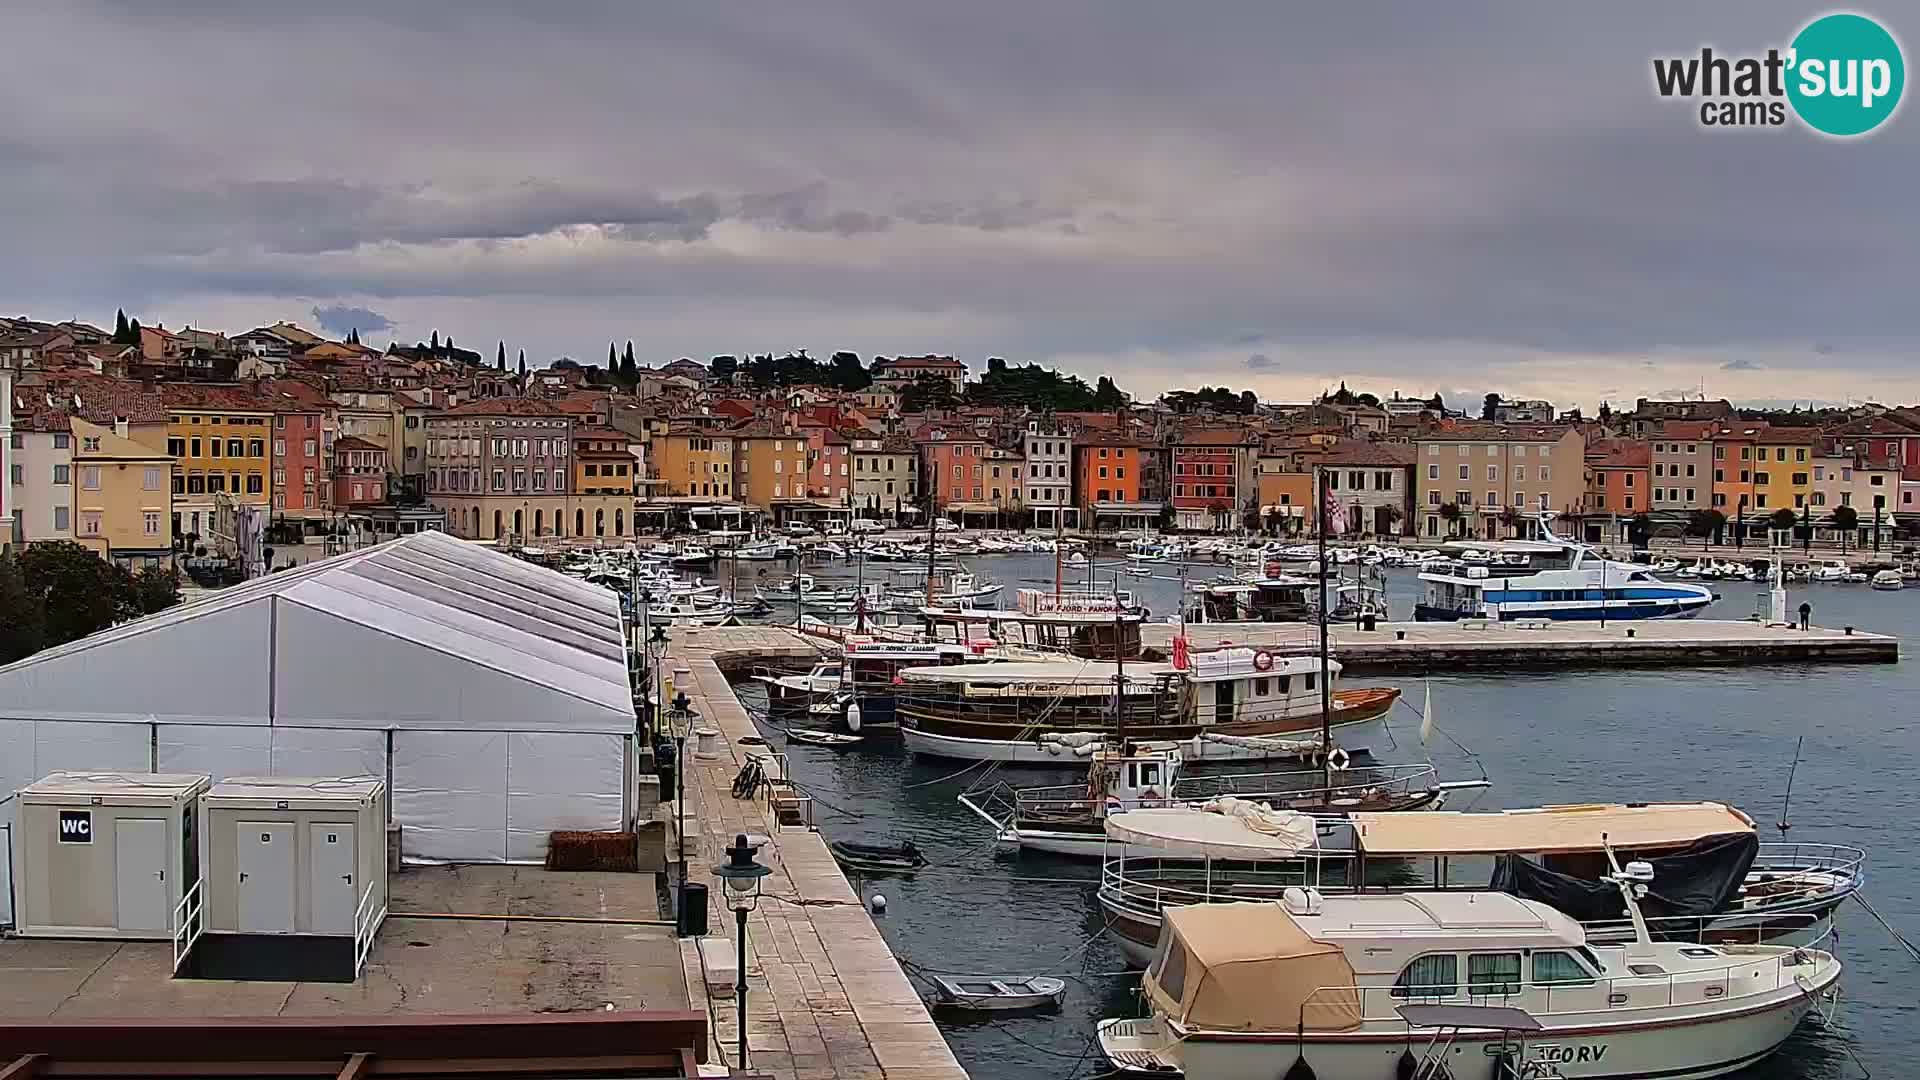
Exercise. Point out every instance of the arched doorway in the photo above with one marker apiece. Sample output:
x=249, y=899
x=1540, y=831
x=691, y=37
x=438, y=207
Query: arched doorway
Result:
x=619, y=523
x=579, y=523
x=496, y=524
x=599, y=523
x=516, y=522
x=539, y=522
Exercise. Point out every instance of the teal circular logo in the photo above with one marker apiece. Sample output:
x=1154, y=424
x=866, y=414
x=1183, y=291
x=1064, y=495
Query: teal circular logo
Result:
x=1845, y=74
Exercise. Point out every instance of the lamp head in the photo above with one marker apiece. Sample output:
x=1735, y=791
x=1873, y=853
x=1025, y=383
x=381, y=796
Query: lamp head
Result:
x=741, y=873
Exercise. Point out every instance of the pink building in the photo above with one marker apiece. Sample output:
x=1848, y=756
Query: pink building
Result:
x=829, y=466
x=359, y=473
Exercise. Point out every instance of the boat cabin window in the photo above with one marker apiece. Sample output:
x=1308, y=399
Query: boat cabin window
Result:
x=1286, y=682
x=1143, y=774
x=1260, y=688
x=1493, y=973
x=1699, y=952
x=1646, y=969
x=1433, y=975
x=1170, y=966
x=1311, y=677
x=1559, y=969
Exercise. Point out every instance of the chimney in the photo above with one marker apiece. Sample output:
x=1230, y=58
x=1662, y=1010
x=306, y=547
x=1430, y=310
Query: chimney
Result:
x=120, y=426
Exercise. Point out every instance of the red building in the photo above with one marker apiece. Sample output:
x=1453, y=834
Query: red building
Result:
x=1212, y=477
x=829, y=466
x=359, y=473
x=956, y=469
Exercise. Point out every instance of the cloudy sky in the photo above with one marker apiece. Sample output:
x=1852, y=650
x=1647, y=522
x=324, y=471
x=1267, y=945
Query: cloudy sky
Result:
x=1456, y=196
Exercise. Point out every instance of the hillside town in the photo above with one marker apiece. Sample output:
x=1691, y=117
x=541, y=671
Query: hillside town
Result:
x=149, y=445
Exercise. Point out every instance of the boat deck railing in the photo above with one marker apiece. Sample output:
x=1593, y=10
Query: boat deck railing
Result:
x=1363, y=783
x=1616, y=996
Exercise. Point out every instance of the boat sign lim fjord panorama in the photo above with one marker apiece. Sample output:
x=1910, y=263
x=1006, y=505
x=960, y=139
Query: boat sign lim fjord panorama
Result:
x=1549, y=579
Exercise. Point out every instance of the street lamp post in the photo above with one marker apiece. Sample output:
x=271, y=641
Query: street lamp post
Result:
x=742, y=874
x=681, y=711
x=1740, y=525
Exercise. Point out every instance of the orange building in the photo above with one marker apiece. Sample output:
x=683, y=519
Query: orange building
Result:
x=1619, y=477
x=1106, y=474
x=957, y=469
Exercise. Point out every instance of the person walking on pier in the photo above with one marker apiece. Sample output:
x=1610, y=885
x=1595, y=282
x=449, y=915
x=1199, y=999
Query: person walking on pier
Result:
x=1806, y=613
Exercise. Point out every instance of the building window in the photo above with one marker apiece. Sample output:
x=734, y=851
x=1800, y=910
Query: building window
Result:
x=62, y=520
x=63, y=474
x=90, y=478
x=499, y=479
x=90, y=523
x=151, y=481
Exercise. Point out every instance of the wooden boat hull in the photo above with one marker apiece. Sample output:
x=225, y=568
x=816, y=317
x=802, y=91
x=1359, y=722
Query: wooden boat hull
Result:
x=973, y=741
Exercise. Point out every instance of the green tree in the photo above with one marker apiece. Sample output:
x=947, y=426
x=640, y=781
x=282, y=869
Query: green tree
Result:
x=1845, y=519
x=23, y=629
x=1490, y=407
x=79, y=591
x=1450, y=513
x=846, y=372
x=120, y=327
x=1706, y=523
x=500, y=356
x=629, y=369
x=154, y=588
x=613, y=358
x=433, y=342
x=1781, y=519
x=724, y=368
x=928, y=392
x=1437, y=404
x=1106, y=396
x=133, y=332
x=523, y=362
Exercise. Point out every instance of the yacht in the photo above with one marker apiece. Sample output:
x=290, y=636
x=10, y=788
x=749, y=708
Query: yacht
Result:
x=1889, y=580
x=1503, y=986
x=1550, y=579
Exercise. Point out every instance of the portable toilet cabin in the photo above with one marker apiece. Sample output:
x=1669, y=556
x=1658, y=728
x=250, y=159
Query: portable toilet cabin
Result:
x=106, y=854
x=296, y=877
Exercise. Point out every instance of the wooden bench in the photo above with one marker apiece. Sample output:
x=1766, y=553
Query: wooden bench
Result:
x=1532, y=624
x=1475, y=624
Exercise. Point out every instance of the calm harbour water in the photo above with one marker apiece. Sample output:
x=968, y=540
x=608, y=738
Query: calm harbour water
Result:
x=1721, y=734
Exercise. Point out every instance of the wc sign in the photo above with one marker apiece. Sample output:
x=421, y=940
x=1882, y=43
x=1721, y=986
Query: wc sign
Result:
x=76, y=826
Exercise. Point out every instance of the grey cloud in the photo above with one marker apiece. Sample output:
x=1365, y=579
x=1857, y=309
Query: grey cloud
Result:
x=340, y=318
x=1259, y=361
x=860, y=157
x=1742, y=364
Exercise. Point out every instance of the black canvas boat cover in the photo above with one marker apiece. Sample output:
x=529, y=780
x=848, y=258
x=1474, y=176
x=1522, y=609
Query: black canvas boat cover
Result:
x=1704, y=878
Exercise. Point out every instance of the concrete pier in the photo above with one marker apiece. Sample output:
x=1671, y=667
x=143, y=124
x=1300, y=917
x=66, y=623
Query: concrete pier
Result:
x=1424, y=647
x=826, y=998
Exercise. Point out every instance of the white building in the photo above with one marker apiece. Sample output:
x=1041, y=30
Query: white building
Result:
x=40, y=478
x=1049, y=480
x=491, y=694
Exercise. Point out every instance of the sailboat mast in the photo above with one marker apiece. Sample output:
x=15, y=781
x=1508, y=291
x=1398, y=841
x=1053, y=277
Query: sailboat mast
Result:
x=933, y=504
x=1119, y=678
x=1326, y=676
x=1057, y=554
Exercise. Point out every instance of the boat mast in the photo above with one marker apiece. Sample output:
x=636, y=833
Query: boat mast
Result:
x=1326, y=676
x=933, y=504
x=1119, y=678
x=1057, y=555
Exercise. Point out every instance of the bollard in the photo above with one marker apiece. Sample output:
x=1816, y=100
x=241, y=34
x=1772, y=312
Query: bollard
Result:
x=1400, y=635
x=1849, y=631
x=1630, y=631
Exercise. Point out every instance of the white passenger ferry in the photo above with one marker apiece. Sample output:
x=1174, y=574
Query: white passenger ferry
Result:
x=1549, y=579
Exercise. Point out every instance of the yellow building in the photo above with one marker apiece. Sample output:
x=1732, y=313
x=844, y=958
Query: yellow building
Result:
x=696, y=463
x=769, y=465
x=602, y=500
x=122, y=495
x=1783, y=468
x=218, y=438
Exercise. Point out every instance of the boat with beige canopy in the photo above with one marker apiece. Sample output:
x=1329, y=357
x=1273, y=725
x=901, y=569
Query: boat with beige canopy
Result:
x=1718, y=881
x=1319, y=986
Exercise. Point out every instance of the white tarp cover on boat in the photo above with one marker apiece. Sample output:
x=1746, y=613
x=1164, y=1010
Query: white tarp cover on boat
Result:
x=1249, y=967
x=492, y=692
x=1546, y=829
x=1229, y=829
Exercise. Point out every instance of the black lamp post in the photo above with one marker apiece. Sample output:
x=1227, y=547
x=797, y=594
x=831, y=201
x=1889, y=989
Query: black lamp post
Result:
x=1740, y=524
x=741, y=873
x=682, y=708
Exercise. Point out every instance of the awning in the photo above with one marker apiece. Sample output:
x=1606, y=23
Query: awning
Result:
x=1546, y=829
x=1250, y=967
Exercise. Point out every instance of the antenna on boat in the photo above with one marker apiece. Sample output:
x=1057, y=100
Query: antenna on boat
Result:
x=1783, y=824
x=1632, y=883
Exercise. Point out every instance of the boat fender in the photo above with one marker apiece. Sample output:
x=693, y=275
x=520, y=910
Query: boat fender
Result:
x=853, y=718
x=1337, y=761
x=1504, y=1067
x=879, y=903
x=1301, y=1070
x=1404, y=1068
x=1263, y=661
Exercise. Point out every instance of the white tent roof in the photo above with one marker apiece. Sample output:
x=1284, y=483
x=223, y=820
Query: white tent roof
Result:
x=425, y=632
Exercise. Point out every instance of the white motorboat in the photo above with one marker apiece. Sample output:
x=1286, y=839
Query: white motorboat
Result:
x=822, y=681
x=1242, y=991
x=1889, y=580
x=675, y=613
x=998, y=993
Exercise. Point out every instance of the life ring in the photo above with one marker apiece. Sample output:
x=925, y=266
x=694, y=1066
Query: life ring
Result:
x=1337, y=761
x=1263, y=661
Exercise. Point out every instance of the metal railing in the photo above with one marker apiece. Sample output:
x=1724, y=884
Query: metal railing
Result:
x=189, y=922
x=1366, y=784
x=366, y=920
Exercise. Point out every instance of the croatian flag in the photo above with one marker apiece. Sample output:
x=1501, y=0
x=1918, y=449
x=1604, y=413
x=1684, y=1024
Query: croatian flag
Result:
x=1330, y=512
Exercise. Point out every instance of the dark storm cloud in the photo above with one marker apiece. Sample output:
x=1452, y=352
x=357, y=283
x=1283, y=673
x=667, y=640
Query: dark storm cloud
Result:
x=1115, y=179
x=341, y=318
x=1259, y=361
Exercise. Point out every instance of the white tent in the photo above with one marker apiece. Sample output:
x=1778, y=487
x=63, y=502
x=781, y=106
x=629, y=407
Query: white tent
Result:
x=490, y=694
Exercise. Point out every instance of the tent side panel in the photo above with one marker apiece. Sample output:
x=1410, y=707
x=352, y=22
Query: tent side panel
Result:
x=218, y=751
x=561, y=781
x=189, y=669
x=450, y=795
x=329, y=752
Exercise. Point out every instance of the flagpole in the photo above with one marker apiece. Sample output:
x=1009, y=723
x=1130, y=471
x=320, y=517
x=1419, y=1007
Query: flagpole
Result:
x=1326, y=675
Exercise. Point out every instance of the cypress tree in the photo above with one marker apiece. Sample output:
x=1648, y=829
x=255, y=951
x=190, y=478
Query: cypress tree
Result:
x=133, y=332
x=434, y=343
x=523, y=365
x=613, y=362
x=120, y=326
x=500, y=357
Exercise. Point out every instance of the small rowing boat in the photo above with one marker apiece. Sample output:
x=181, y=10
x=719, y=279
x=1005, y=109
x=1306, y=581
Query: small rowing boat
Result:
x=837, y=740
x=899, y=858
x=998, y=993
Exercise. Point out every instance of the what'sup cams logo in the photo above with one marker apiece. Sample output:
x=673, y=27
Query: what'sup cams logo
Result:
x=1842, y=76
